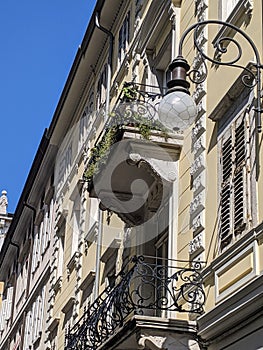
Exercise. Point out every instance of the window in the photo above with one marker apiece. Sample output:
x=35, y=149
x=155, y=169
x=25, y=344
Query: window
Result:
x=27, y=330
x=54, y=339
x=124, y=38
x=34, y=320
x=21, y=283
x=161, y=253
x=87, y=287
x=157, y=72
x=76, y=225
x=6, y=307
x=42, y=236
x=16, y=342
x=227, y=7
x=60, y=252
x=101, y=87
x=93, y=212
x=82, y=129
x=234, y=180
x=50, y=223
x=36, y=252
x=90, y=106
x=85, y=122
x=46, y=227
x=92, y=218
x=156, y=255
x=65, y=161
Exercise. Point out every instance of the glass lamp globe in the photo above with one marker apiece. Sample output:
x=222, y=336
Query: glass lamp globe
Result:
x=177, y=110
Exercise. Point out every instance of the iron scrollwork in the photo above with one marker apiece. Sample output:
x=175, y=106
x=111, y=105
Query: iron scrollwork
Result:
x=222, y=46
x=147, y=285
x=136, y=107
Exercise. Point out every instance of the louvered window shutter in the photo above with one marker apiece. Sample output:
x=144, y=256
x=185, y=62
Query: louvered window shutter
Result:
x=239, y=180
x=34, y=254
x=3, y=315
x=234, y=180
x=27, y=332
x=50, y=225
x=226, y=160
x=42, y=308
x=9, y=302
x=1, y=322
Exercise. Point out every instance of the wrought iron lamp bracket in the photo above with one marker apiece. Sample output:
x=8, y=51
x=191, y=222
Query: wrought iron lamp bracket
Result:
x=181, y=70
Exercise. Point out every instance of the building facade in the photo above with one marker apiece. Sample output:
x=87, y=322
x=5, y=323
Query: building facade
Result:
x=131, y=235
x=5, y=217
x=5, y=221
x=25, y=257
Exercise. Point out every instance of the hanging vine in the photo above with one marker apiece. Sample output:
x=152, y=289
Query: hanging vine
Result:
x=132, y=112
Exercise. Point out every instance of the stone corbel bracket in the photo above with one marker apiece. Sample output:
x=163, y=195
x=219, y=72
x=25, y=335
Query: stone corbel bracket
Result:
x=151, y=342
x=165, y=169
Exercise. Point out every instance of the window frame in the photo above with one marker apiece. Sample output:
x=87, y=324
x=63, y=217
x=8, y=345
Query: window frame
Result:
x=234, y=198
x=124, y=37
x=226, y=9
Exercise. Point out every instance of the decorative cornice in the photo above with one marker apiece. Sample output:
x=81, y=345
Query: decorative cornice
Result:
x=88, y=280
x=54, y=323
x=68, y=305
x=49, y=194
x=57, y=285
x=77, y=189
x=242, y=11
x=111, y=249
x=231, y=315
x=167, y=170
x=39, y=217
x=60, y=218
x=92, y=234
x=73, y=262
x=241, y=244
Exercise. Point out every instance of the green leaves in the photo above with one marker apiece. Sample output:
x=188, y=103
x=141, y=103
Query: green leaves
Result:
x=130, y=112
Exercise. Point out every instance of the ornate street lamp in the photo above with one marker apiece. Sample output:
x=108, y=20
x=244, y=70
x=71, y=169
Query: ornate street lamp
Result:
x=177, y=110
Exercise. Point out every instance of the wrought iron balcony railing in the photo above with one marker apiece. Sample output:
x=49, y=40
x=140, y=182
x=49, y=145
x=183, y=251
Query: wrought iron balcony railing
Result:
x=147, y=285
x=137, y=107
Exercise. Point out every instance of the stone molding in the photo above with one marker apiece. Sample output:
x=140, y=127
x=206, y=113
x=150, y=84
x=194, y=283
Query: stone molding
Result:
x=151, y=342
x=197, y=171
x=196, y=243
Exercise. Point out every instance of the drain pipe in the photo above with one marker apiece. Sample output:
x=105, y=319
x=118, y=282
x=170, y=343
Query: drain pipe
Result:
x=107, y=107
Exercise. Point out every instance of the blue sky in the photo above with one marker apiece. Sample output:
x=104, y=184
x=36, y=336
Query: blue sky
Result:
x=39, y=40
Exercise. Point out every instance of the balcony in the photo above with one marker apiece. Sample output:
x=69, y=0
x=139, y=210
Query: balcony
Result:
x=134, y=160
x=147, y=286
